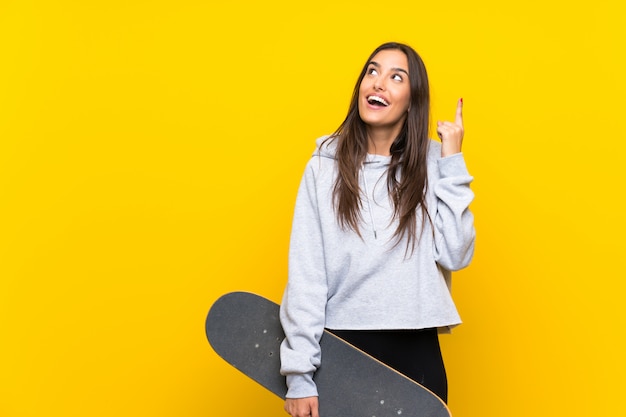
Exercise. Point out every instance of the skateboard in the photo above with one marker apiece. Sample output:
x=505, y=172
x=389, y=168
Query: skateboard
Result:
x=244, y=329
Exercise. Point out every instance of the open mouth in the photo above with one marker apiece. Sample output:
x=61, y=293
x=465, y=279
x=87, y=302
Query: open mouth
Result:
x=377, y=101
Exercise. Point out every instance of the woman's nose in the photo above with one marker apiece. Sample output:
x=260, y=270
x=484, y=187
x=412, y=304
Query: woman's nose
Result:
x=379, y=84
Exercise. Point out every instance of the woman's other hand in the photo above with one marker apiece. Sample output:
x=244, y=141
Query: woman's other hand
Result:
x=302, y=407
x=451, y=134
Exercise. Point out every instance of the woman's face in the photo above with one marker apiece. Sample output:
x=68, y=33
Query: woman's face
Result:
x=385, y=91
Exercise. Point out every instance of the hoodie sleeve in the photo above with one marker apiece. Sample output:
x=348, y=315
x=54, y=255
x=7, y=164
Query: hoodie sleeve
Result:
x=454, y=223
x=302, y=312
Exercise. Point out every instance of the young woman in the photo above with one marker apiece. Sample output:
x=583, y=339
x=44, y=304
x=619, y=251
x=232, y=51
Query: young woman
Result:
x=381, y=218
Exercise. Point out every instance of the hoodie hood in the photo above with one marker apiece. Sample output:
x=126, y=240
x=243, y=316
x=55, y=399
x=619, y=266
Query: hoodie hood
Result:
x=325, y=150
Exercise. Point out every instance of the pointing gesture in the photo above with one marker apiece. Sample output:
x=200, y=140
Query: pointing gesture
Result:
x=451, y=134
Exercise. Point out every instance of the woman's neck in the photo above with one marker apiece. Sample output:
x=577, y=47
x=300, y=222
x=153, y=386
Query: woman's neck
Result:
x=379, y=140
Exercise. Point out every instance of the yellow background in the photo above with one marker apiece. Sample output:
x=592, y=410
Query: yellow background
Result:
x=150, y=153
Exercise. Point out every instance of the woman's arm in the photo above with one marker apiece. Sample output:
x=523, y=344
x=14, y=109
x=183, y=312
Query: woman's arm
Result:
x=454, y=222
x=303, y=306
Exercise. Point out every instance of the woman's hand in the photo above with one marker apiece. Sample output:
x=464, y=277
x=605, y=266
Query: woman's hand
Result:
x=451, y=134
x=302, y=407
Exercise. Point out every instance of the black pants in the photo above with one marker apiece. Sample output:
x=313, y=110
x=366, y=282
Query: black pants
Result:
x=414, y=353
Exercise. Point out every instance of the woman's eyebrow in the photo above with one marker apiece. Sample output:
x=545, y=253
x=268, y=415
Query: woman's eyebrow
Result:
x=377, y=65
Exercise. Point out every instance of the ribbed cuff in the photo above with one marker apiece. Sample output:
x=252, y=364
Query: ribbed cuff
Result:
x=301, y=386
x=452, y=166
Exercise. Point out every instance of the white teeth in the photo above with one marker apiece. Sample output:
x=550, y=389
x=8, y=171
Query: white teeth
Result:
x=378, y=99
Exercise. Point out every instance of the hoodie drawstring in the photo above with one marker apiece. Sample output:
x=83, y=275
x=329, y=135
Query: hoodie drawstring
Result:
x=369, y=204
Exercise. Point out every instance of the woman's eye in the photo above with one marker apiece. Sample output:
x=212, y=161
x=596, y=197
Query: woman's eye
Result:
x=372, y=71
x=397, y=77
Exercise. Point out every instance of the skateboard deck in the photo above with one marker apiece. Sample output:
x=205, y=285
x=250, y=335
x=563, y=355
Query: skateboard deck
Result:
x=244, y=329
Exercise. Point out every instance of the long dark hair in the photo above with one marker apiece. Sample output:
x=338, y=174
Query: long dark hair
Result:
x=407, y=177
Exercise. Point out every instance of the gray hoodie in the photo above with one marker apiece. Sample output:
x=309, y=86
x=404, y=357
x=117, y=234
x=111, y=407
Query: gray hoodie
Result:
x=339, y=280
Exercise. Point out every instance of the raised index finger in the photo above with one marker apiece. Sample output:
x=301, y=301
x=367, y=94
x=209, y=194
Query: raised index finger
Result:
x=459, y=113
